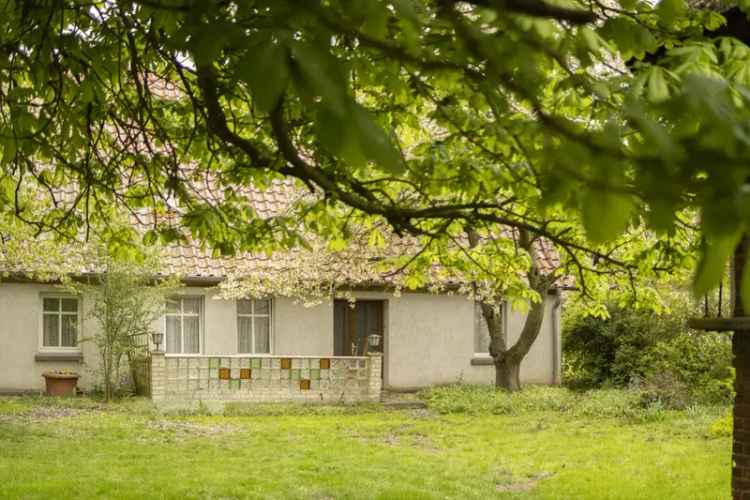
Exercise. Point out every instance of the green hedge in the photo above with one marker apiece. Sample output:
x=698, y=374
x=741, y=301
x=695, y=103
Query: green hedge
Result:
x=654, y=352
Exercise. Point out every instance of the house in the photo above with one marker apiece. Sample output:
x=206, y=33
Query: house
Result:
x=273, y=348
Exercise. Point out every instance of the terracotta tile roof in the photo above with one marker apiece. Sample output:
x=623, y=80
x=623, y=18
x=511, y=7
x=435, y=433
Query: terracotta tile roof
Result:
x=195, y=261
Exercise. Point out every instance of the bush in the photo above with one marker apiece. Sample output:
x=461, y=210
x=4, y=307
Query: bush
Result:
x=628, y=404
x=721, y=427
x=655, y=353
x=696, y=365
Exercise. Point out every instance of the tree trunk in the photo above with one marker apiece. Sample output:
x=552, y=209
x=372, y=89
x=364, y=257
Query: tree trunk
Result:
x=508, y=360
x=138, y=372
x=741, y=413
x=507, y=373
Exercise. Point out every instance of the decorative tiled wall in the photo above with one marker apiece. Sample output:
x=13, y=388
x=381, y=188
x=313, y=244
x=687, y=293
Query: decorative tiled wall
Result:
x=266, y=379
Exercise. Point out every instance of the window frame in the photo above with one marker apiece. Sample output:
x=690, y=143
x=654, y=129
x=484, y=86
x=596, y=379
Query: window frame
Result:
x=201, y=323
x=79, y=323
x=477, y=328
x=252, y=316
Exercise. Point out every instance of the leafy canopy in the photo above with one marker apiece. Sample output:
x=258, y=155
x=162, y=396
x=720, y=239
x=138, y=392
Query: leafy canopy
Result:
x=606, y=129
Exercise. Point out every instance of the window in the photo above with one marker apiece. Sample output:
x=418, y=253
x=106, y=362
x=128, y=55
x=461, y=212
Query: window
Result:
x=184, y=319
x=254, y=326
x=481, y=332
x=60, y=322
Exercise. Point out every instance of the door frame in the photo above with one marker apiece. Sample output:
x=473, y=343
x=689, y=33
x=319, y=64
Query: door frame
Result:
x=350, y=319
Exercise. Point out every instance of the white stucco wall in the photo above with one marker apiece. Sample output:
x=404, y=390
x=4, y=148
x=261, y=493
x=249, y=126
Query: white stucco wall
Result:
x=20, y=339
x=302, y=330
x=429, y=339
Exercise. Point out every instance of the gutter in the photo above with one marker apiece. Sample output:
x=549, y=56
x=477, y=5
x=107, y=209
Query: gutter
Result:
x=21, y=277
x=556, y=361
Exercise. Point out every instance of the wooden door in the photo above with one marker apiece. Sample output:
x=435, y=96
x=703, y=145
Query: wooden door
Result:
x=352, y=325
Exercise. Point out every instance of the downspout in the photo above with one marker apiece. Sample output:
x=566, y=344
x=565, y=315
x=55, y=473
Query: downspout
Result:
x=556, y=375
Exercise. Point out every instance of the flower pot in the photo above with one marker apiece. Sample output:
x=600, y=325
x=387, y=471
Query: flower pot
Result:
x=59, y=384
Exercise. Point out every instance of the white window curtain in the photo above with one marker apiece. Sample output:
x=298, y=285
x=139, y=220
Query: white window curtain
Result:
x=254, y=326
x=60, y=322
x=183, y=324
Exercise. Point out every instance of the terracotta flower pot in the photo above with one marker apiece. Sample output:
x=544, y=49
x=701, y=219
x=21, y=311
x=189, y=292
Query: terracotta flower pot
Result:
x=59, y=384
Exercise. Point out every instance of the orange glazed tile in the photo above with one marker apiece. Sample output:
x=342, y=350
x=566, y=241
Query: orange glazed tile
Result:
x=224, y=374
x=325, y=364
x=245, y=373
x=304, y=385
x=286, y=363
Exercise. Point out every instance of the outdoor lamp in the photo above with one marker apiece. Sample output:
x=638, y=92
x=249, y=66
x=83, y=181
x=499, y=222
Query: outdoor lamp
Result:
x=157, y=338
x=374, y=340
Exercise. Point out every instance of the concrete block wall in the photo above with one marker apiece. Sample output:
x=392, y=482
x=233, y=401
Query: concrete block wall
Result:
x=265, y=379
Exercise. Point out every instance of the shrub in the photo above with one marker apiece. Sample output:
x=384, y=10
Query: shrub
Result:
x=483, y=399
x=600, y=352
x=655, y=353
x=124, y=303
x=721, y=427
x=698, y=365
x=628, y=404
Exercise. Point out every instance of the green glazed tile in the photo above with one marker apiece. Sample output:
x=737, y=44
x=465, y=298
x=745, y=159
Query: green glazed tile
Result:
x=214, y=363
x=255, y=363
x=295, y=374
x=315, y=374
x=234, y=384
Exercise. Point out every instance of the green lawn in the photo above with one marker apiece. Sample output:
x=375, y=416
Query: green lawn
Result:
x=83, y=449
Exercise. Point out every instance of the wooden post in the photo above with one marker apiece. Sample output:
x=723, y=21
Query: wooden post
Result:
x=741, y=351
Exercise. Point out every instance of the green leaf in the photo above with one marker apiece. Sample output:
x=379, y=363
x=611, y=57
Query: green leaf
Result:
x=657, y=85
x=670, y=10
x=376, y=239
x=605, y=215
x=320, y=77
x=714, y=256
x=357, y=139
x=406, y=9
x=745, y=286
x=376, y=145
x=337, y=244
x=413, y=282
x=376, y=20
x=9, y=150
x=338, y=137
x=630, y=37
x=150, y=237
x=265, y=68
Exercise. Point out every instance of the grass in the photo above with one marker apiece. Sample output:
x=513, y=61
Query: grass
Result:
x=545, y=443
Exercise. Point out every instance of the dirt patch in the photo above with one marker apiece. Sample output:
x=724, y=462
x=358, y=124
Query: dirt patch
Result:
x=41, y=414
x=401, y=436
x=175, y=429
x=422, y=413
x=523, y=486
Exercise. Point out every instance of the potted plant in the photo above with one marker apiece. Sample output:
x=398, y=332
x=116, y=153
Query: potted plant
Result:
x=60, y=382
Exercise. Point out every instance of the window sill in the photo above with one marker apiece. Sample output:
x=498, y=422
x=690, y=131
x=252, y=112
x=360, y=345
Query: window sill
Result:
x=482, y=361
x=59, y=356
